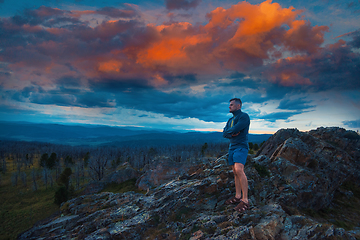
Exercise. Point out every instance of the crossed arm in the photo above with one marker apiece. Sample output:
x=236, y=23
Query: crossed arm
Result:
x=234, y=131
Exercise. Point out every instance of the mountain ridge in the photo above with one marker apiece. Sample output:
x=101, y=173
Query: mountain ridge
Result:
x=99, y=135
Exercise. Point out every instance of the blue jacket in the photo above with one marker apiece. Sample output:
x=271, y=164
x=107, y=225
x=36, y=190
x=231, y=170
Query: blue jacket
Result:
x=241, y=124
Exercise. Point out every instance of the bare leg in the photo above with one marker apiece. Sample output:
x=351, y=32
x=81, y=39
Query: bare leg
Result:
x=241, y=183
x=237, y=183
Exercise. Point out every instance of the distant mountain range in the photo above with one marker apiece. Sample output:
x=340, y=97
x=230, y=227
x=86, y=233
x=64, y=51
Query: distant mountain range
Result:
x=98, y=135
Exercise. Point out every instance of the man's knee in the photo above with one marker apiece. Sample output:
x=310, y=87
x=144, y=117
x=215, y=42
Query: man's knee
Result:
x=238, y=168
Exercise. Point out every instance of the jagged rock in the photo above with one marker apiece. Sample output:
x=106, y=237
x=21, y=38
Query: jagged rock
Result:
x=294, y=150
x=275, y=140
x=301, y=172
x=271, y=225
x=347, y=140
x=164, y=171
x=301, y=163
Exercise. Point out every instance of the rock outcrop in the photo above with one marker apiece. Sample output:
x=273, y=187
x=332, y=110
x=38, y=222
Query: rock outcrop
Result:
x=310, y=166
x=162, y=170
x=292, y=174
x=123, y=173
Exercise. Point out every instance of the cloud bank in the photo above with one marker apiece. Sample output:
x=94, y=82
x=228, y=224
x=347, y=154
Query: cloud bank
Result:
x=260, y=52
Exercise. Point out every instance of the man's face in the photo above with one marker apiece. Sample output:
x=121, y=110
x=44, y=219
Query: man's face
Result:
x=234, y=106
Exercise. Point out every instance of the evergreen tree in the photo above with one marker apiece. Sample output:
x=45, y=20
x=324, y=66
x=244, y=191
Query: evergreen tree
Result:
x=68, y=161
x=51, y=161
x=203, y=148
x=251, y=145
x=62, y=194
x=43, y=160
x=86, y=159
x=64, y=178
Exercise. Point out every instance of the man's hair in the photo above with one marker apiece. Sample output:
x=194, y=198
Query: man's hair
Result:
x=237, y=100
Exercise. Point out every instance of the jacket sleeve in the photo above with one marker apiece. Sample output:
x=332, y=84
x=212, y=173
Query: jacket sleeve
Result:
x=225, y=130
x=242, y=123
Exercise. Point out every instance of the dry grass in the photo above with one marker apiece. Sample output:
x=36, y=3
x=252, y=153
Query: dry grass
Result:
x=21, y=207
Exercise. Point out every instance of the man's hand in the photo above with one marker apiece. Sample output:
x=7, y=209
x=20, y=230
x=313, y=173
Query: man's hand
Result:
x=235, y=134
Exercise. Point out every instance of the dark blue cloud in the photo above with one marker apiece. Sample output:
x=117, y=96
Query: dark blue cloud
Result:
x=85, y=100
x=181, y=4
x=352, y=124
x=117, y=13
x=337, y=69
x=187, y=78
x=237, y=75
x=273, y=117
x=46, y=16
x=119, y=85
x=355, y=43
x=51, y=99
x=295, y=104
x=267, y=91
x=353, y=4
x=244, y=83
x=134, y=95
x=68, y=81
x=62, y=96
x=334, y=67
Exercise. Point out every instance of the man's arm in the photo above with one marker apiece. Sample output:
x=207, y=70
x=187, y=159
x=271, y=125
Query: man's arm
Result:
x=241, y=124
x=225, y=130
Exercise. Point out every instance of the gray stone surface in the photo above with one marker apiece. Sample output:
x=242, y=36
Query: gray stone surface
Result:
x=304, y=171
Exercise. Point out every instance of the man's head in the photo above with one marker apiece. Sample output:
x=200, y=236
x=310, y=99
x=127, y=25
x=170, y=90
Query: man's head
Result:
x=235, y=104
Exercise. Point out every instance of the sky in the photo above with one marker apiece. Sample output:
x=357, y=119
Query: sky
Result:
x=175, y=64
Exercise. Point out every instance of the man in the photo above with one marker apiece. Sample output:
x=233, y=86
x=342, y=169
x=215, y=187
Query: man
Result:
x=236, y=130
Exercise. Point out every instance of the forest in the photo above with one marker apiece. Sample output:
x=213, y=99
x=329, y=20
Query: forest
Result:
x=31, y=162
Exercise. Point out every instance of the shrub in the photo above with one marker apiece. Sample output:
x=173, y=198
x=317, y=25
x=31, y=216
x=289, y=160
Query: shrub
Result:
x=262, y=170
x=61, y=195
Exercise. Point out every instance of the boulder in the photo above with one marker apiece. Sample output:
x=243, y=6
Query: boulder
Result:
x=301, y=164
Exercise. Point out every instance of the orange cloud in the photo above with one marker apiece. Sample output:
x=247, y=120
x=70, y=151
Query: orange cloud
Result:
x=291, y=78
x=110, y=66
x=107, y=11
x=253, y=19
x=303, y=37
x=78, y=14
x=32, y=29
x=257, y=31
x=235, y=39
x=57, y=31
x=172, y=47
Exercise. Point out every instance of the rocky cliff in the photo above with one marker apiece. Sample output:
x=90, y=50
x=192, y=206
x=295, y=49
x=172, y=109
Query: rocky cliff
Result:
x=302, y=185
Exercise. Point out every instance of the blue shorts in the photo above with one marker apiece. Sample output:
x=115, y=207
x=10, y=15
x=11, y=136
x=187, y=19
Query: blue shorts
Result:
x=237, y=155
